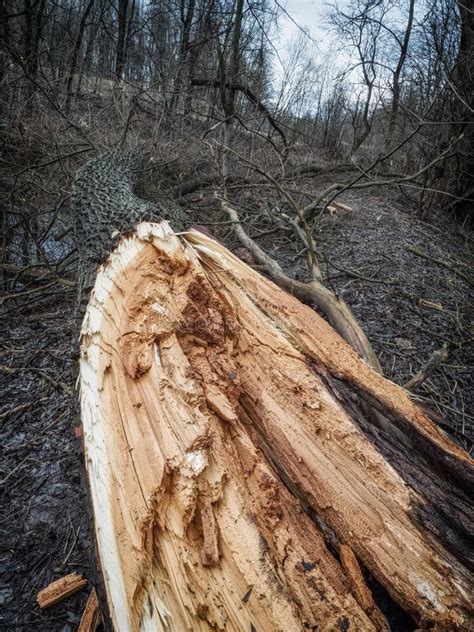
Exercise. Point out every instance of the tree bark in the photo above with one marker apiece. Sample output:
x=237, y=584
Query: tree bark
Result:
x=75, y=53
x=229, y=75
x=235, y=482
x=187, y=16
x=463, y=77
x=122, y=29
x=5, y=42
x=396, y=88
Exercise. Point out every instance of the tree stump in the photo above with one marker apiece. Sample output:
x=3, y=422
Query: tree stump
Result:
x=236, y=482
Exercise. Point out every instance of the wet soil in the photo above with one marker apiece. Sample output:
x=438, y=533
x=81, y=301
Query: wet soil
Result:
x=45, y=528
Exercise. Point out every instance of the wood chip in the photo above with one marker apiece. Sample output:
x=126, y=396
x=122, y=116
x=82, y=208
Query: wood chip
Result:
x=335, y=206
x=91, y=616
x=345, y=207
x=60, y=589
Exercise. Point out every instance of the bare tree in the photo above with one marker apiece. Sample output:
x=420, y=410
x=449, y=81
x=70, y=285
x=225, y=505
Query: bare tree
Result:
x=362, y=32
x=396, y=81
x=463, y=87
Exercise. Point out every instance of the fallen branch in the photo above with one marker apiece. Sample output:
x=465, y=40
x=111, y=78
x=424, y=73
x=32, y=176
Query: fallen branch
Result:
x=343, y=207
x=336, y=189
x=298, y=223
x=314, y=292
x=34, y=290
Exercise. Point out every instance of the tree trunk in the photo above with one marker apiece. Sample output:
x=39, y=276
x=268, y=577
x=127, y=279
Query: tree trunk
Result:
x=463, y=77
x=38, y=36
x=187, y=15
x=86, y=63
x=122, y=29
x=31, y=44
x=75, y=53
x=5, y=42
x=396, y=88
x=28, y=33
x=228, y=93
x=236, y=484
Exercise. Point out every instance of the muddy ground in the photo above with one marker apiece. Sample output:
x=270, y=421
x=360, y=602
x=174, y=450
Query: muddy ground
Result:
x=408, y=305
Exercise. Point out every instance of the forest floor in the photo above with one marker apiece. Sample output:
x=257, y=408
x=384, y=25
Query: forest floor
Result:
x=408, y=305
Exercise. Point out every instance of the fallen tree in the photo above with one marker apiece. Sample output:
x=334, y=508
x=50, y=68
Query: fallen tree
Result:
x=235, y=480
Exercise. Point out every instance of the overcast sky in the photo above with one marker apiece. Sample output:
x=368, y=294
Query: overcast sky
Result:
x=307, y=14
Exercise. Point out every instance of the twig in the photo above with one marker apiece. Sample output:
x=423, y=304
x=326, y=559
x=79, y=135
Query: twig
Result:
x=76, y=535
x=34, y=290
x=10, y=370
x=440, y=262
x=21, y=407
x=358, y=275
x=50, y=162
x=15, y=469
x=315, y=268
x=436, y=359
x=34, y=273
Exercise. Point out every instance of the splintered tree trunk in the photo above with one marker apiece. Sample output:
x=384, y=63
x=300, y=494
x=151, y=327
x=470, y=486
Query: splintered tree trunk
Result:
x=235, y=482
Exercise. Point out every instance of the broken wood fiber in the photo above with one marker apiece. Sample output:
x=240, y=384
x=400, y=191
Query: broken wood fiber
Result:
x=359, y=588
x=60, y=589
x=217, y=419
x=91, y=616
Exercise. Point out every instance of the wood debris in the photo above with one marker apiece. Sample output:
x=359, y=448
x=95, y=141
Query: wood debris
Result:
x=360, y=589
x=60, y=589
x=333, y=207
x=91, y=616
